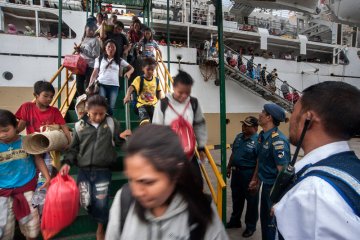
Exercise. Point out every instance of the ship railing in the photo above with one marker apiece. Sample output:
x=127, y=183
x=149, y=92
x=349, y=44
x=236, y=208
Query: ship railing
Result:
x=167, y=81
x=277, y=28
x=217, y=195
x=278, y=81
x=66, y=92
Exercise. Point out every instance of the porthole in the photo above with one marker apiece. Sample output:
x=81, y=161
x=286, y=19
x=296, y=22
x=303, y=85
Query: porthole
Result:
x=8, y=75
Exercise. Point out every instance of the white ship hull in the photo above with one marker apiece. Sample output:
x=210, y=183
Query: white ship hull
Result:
x=30, y=59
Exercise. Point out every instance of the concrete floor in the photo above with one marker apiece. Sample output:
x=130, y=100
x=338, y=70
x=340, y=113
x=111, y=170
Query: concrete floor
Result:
x=235, y=234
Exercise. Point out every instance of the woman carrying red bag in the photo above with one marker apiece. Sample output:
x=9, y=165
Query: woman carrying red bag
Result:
x=89, y=50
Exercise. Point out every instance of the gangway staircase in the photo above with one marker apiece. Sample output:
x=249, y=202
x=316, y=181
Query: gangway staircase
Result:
x=84, y=227
x=253, y=86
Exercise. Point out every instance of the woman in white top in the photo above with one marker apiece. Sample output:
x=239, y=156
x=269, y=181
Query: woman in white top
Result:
x=107, y=70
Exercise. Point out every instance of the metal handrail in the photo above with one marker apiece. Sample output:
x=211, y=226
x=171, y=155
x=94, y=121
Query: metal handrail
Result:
x=217, y=196
x=167, y=76
x=69, y=94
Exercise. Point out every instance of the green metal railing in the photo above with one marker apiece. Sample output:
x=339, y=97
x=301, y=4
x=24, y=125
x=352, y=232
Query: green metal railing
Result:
x=219, y=20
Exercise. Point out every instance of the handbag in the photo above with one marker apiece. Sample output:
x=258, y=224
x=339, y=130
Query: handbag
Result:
x=93, y=88
x=75, y=63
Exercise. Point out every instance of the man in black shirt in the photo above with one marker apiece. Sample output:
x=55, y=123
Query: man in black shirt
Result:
x=122, y=43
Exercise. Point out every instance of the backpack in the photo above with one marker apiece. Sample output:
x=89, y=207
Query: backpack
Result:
x=135, y=94
x=109, y=121
x=269, y=77
x=182, y=127
x=127, y=200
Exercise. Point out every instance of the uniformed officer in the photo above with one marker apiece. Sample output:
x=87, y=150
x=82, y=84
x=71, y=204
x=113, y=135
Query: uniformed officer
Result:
x=273, y=154
x=324, y=201
x=242, y=165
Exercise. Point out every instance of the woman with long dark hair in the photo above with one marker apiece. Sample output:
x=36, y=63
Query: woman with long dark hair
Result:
x=107, y=70
x=148, y=45
x=163, y=201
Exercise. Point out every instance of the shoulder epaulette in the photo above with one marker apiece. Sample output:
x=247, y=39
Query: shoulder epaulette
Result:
x=274, y=134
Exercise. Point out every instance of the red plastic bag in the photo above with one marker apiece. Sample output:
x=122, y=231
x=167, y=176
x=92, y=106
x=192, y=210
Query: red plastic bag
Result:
x=61, y=205
x=75, y=63
x=185, y=132
x=232, y=62
x=243, y=68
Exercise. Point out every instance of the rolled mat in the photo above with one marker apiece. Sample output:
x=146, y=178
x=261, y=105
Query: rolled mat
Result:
x=38, y=143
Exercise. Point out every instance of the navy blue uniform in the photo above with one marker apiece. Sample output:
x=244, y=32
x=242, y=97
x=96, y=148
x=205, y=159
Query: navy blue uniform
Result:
x=244, y=155
x=273, y=150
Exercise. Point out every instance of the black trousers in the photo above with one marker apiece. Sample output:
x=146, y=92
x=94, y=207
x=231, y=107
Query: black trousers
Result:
x=82, y=81
x=196, y=171
x=240, y=180
x=146, y=113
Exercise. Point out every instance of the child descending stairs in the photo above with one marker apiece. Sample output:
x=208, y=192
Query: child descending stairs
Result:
x=84, y=227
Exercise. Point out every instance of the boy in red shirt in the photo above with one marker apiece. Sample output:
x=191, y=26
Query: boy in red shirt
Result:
x=38, y=114
x=34, y=115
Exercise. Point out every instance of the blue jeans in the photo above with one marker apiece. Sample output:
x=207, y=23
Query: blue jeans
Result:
x=268, y=229
x=94, y=192
x=110, y=93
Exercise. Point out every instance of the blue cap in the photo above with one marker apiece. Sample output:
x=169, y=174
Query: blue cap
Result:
x=277, y=112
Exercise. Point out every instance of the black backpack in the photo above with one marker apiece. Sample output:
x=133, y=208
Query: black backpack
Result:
x=127, y=200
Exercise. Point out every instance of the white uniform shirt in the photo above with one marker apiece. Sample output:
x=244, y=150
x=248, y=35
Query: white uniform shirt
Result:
x=110, y=75
x=313, y=209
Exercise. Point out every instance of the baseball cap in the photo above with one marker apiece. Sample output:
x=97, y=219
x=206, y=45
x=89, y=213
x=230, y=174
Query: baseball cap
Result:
x=251, y=121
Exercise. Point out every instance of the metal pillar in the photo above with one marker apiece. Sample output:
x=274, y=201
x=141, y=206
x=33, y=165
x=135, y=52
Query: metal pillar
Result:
x=87, y=8
x=191, y=14
x=92, y=7
x=59, y=49
x=127, y=108
x=219, y=21
x=37, y=24
x=2, y=23
x=188, y=36
x=148, y=12
x=168, y=32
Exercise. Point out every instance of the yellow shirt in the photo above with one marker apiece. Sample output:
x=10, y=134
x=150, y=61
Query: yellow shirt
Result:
x=148, y=94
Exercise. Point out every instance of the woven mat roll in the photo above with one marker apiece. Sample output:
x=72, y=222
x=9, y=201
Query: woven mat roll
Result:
x=38, y=143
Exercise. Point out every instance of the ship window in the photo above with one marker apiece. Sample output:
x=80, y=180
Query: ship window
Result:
x=23, y=22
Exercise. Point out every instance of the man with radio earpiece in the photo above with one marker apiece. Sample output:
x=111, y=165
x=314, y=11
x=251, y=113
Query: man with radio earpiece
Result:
x=318, y=197
x=273, y=154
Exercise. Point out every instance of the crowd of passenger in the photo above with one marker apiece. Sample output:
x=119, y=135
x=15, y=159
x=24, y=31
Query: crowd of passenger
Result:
x=260, y=74
x=165, y=183
x=153, y=150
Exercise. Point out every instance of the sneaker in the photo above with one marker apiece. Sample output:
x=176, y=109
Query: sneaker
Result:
x=248, y=233
x=231, y=224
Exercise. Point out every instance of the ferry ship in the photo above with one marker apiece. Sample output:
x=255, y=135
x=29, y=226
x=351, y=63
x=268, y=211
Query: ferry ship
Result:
x=319, y=42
